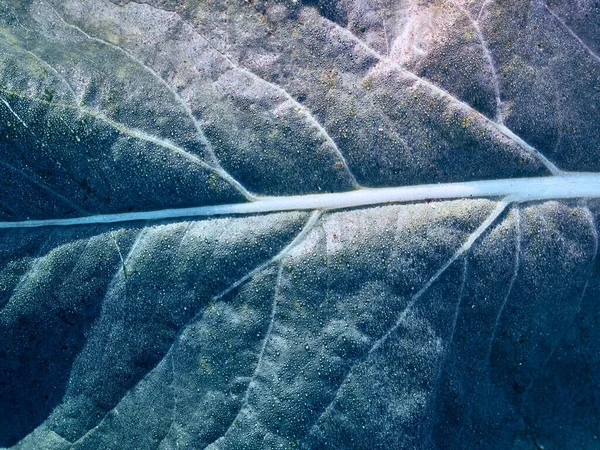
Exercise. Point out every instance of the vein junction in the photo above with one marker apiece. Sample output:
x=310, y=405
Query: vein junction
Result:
x=566, y=186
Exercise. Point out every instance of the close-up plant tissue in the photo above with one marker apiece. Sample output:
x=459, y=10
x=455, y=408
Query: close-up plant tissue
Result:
x=299, y=224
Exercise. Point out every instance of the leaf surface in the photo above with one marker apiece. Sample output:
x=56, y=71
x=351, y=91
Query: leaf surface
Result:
x=318, y=224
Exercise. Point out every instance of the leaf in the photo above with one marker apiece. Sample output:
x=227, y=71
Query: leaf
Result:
x=287, y=224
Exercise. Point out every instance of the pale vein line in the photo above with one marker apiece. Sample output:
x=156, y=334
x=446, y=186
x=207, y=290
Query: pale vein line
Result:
x=463, y=248
x=387, y=42
x=483, y=5
x=43, y=186
x=141, y=135
x=71, y=91
x=443, y=93
x=266, y=341
x=379, y=342
x=151, y=71
x=135, y=244
x=314, y=217
x=120, y=254
x=185, y=232
x=177, y=97
x=13, y=112
x=307, y=227
x=569, y=186
x=113, y=280
x=572, y=33
x=160, y=142
x=486, y=52
x=592, y=223
x=47, y=65
x=459, y=303
x=174, y=412
x=439, y=373
x=511, y=283
x=36, y=261
x=76, y=264
x=299, y=107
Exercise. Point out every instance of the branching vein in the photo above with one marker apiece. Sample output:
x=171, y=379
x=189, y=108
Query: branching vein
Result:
x=401, y=319
x=570, y=186
x=299, y=107
x=445, y=94
x=151, y=71
x=513, y=278
x=48, y=66
x=120, y=271
x=225, y=175
x=3, y=100
x=143, y=136
x=482, y=9
x=572, y=33
x=488, y=56
x=265, y=342
x=44, y=187
x=440, y=369
x=312, y=220
x=33, y=266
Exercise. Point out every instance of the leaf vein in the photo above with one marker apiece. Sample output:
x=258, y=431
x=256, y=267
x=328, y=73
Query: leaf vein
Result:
x=552, y=168
x=379, y=342
x=517, y=263
x=175, y=94
x=572, y=33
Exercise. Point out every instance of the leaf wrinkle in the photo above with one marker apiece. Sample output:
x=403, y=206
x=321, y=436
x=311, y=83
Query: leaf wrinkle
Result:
x=177, y=97
x=379, y=342
x=445, y=94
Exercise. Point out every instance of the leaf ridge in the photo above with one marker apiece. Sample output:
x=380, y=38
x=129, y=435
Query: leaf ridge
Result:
x=143, y=136
x=518, y=238
x=174, y=409
x=12, y=111
x=440, y=371
x=312, y=220
x=552, y=168
x=34, y=264
x=466, y=246
x=488, y=56
x=572, y=33
x=568, y=186
x=45, y=64
x=300, y=108
x=169, y=353
x=482, y=9
x=502, y=205
x=266, y=341
x=218, y=169
x=556, y=344
x=43, y=186
x=119, y=271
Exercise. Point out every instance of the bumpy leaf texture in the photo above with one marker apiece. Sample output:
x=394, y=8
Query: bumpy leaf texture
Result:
x=321, y=224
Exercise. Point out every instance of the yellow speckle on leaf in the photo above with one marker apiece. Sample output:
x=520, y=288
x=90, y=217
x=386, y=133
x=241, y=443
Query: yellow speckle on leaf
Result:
x=206, y=366
x=367, y=84
x=299, y=308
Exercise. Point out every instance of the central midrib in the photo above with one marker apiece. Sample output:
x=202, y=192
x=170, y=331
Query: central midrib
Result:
x=568, y=185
